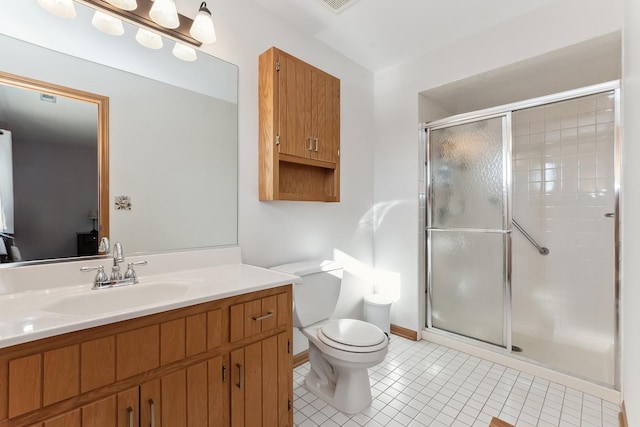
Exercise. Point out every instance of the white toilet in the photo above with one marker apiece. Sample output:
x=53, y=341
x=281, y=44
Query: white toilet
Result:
x=340, y=350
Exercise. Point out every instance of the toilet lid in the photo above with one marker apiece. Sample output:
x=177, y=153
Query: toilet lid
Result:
x=352, y=332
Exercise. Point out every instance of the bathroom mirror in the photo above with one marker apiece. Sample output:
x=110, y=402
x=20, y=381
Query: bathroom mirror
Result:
x=172, y=128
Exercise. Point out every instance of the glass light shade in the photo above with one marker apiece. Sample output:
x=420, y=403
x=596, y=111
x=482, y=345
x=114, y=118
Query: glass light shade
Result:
x=107, y=24
x=148, y=39
x=124, y=4
x=62, y=8
x=202, y=28
x=184, y=52
x=164, y=12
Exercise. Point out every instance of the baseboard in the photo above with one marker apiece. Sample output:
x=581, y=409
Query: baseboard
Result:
x=404, y=332
x=497, y=422
x=300, y=358
x=623, y=416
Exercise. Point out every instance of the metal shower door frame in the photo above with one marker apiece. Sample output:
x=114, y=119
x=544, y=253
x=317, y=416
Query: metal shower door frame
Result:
x=506, y=216
x=425, y=202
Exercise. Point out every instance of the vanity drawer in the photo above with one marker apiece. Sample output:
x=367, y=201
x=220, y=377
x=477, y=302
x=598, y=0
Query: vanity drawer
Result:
x=257, y=316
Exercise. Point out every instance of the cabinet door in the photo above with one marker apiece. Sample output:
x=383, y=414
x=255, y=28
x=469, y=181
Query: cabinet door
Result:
x=237, y=388
x=129, y=408
x=261, y=386
x=294, y=104
x=150, y=404
x=174, y=399
x=197, y=402
x=219, y=383
x=325, y=117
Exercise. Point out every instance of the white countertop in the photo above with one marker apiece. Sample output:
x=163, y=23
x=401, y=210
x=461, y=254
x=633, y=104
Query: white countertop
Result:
x=41, y=313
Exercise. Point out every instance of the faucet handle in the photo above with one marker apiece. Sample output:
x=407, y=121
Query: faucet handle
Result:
x=101, y=276
x=131, y=273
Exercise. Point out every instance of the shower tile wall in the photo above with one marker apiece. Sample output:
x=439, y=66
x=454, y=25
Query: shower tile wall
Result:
x=563, y=185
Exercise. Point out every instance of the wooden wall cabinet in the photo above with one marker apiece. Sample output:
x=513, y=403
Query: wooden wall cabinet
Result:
x=299, y=130
x=223, y=363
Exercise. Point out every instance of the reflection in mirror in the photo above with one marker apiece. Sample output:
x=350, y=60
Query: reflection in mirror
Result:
x=172, y=129
x=53, y=161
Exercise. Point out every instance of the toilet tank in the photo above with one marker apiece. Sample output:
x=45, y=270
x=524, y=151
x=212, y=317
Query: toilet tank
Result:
x=316, y=297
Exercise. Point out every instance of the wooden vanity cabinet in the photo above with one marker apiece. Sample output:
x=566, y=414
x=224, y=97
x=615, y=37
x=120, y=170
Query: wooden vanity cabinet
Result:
x=188, y=367
x=299, y=135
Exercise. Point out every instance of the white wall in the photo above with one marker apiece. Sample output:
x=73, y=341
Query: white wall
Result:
x=554, y=25
x=630, y=212
x=272, y=233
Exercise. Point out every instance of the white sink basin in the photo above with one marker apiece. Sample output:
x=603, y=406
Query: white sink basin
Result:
x=117, y=299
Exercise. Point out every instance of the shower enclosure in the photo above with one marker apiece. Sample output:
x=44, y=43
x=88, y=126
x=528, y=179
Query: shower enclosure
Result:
x=521, y=231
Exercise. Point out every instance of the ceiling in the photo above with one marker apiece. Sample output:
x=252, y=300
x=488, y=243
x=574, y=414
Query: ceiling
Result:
x=379, y=33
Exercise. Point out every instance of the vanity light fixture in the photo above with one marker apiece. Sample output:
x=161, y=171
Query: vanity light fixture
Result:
x=154, y=19
x=107, y=24
x=164, y=12
x=149, y=39
x=62, y=8
x=202, y=28
x=184, y=52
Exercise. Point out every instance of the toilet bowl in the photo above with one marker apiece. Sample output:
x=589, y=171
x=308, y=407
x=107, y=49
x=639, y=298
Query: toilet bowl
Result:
x=339, y=365
x=340, y=350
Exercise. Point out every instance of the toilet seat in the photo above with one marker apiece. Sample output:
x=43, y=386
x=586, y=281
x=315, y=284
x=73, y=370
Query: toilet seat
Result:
x=352, y=335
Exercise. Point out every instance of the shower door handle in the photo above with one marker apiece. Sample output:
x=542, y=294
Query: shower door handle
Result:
x=610, y=215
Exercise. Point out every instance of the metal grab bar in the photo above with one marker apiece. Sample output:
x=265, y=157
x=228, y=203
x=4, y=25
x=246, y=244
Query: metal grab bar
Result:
x=543, y=251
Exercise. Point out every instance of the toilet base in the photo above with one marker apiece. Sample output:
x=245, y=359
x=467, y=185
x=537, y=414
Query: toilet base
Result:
x=350, y=394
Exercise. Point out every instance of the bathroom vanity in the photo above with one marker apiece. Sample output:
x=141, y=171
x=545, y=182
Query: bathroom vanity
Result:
x=210, y=346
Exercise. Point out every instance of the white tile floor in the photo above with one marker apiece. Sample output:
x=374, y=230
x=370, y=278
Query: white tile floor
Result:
x=425, y=384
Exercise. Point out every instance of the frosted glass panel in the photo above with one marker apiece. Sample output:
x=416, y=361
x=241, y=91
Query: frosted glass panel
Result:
x=467, y=284
x=467, y=175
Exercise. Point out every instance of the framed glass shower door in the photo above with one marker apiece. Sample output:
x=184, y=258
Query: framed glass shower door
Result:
x=468, y=228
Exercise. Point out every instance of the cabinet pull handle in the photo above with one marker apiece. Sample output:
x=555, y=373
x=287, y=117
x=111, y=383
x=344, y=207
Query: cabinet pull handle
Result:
x=152, y=408
x=239, y=366
x=224, y=372
x=316, y=139
x=310, y=141
x=266, y=316
x=130, y=411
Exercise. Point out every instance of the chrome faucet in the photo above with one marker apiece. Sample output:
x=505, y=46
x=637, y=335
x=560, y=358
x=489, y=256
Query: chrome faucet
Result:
x=118, y=257
x=116, y=279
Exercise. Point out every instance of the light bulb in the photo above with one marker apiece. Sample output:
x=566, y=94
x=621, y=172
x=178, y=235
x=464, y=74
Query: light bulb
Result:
x=202, y=28
x=107, y=24
x=184, y=52
x=148, y=39
x=62, y=8
x=124, y=4
x=164, y=12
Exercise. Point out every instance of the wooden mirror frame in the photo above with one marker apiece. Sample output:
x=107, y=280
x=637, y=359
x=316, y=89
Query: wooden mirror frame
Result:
x=102, y=102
